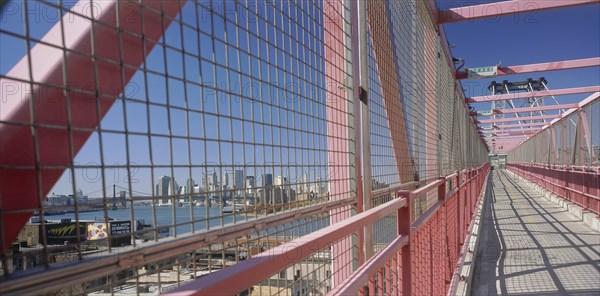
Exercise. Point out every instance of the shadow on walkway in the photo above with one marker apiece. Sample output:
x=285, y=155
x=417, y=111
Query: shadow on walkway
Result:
x=530, y=246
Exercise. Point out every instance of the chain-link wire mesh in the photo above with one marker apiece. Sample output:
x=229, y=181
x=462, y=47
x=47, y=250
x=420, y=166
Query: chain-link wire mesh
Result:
x=163, y=141
x=571, y=140
x=156, y=121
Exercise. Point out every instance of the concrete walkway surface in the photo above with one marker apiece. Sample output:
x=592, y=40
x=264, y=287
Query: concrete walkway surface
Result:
x=530, y=246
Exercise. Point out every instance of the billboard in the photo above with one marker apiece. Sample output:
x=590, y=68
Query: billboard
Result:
x=60, y=233
x=96, y=231
x=120, y=227
x=119, y=232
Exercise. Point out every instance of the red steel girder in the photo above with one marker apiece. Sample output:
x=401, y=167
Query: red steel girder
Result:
x=23, y=189
x=541, y=67
x=531, y=109
x=492, y=10
x=494, y=131
x=509, y=126
x=516, y=119
x=523, y=95
x=535, y=109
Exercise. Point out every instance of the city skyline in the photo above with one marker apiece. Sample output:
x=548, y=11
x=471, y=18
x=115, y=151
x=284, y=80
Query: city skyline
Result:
x=167, y=186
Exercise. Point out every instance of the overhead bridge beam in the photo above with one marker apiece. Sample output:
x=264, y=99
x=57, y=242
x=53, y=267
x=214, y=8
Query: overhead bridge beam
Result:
x=493, y=10
x=536, y=109
x=511, y=137
x=541, y=67
x=533, y=94
x=509, y=133
x=500, y=131
x=507, y=126
x=517, y=119
x=530, y=109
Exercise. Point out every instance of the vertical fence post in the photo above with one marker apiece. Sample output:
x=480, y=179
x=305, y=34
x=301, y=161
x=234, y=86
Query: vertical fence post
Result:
x=358, y=127
x=404, y=228
x=442, y=189
x=365, y=126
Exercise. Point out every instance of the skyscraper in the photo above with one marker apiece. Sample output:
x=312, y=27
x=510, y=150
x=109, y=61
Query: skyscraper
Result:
x=250, y=184
x=305, y=186
x=162, y=188
x=238, y=179
x=225, y=180
x=281, y=181
x=267, y=180
x=210, y=182
x=189, y=186
x=266, y=193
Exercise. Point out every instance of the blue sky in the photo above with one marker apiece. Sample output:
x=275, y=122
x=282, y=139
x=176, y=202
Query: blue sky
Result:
x=545, y=36
x=286, y=118
x=535, y=37
x=548, y=36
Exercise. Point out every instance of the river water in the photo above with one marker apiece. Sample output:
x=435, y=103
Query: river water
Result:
x=164, y=217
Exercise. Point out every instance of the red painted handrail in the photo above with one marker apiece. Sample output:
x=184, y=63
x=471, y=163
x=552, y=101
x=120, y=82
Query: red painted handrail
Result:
x=577, y=184
x=243, y=275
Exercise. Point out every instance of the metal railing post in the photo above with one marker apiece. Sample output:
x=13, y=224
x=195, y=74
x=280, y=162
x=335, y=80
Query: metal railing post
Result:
x=404, y=228
x=458, y=213
x=360, y=186
x=365, y=125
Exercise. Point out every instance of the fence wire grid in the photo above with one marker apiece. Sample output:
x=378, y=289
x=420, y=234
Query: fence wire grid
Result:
x=216, y=130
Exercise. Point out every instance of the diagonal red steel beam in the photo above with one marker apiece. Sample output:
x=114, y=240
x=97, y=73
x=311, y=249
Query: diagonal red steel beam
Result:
x=496, y=9
x=337, y=111
x=27, y=143
x=524, y=95
x=390, y=84
x=541, y=67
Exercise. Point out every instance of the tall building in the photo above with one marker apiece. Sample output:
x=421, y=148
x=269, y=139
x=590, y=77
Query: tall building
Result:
x=210, y=182
x=225, y=180
x=265, y=194
x=320, y=186
x=281, y=181
x=238, y=179
x=305, y=187
x=162, y=188
x=189, y=186
x=267, y=180
x=250, y=184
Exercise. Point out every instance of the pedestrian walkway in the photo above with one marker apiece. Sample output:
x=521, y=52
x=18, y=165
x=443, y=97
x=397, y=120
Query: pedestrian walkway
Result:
x=530, y=246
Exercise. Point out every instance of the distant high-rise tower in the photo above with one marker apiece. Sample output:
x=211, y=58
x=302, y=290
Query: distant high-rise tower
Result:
x=267, y=180
x=281, y=181
x=189, y=186
x=163, y=185
x=250, y=184
x=162, y=189
x=238, y=179
x=305, y=186
x=210, y=182
x=225, y=180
